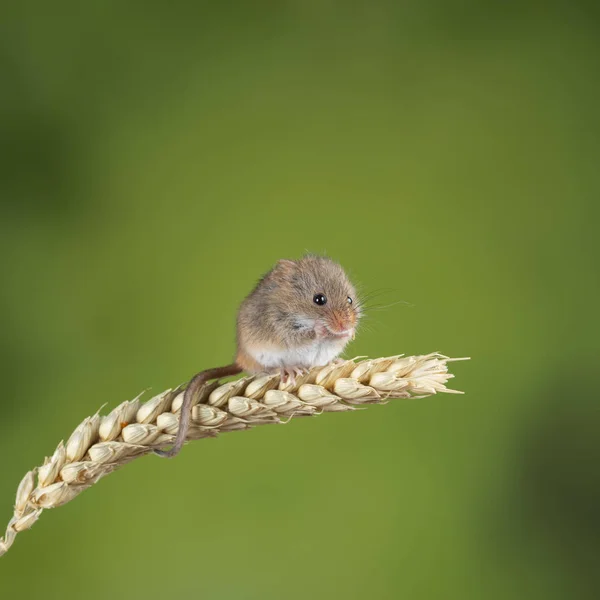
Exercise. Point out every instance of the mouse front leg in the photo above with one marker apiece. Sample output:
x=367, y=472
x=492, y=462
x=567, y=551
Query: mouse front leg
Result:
x=288, y=374
x=293, y=377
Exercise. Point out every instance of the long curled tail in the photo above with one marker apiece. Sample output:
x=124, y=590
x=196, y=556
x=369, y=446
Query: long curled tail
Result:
x=185, y=415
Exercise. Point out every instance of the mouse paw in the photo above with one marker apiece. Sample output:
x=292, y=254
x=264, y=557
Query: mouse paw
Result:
x=288, y=375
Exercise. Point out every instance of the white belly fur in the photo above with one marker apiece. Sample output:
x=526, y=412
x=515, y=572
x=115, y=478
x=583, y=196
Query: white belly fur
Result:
x=314, y=355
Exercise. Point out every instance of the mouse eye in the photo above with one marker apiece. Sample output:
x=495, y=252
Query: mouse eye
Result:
x=349, y=300
x=320, y=299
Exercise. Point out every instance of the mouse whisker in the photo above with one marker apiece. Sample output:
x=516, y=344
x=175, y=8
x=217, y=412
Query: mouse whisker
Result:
x=367, y=299
x=373, y=294
x=372, y=307
x=366, y=327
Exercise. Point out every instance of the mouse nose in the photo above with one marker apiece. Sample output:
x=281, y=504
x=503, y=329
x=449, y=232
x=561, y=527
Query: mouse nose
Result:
x=340, y=322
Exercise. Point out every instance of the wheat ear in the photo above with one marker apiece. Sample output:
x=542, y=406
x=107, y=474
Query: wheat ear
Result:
x=101, y=444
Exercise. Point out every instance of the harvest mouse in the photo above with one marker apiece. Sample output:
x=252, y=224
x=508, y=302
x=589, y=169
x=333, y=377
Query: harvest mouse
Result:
x=300, y=315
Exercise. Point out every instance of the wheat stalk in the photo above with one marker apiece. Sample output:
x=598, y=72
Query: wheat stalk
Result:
x=101, y=444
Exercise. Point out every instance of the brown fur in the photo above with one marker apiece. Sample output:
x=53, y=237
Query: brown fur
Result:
x=269, y=315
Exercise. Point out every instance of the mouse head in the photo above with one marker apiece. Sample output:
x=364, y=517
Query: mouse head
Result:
x=319, y=296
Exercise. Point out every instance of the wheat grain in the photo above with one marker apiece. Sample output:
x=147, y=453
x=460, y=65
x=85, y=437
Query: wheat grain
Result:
x=101, y=444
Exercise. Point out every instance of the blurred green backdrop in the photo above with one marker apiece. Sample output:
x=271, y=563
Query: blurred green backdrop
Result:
x=156, y=158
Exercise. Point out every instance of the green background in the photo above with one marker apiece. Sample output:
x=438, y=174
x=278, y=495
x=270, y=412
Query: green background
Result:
x=156, y=158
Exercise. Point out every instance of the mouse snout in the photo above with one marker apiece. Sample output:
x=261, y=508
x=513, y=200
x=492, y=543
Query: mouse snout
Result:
x=341, y=323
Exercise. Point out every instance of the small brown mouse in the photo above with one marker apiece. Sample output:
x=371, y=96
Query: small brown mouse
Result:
x=300, y=315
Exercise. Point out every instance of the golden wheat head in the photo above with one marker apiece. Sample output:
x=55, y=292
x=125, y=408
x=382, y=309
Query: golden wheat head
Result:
x=101, y=444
